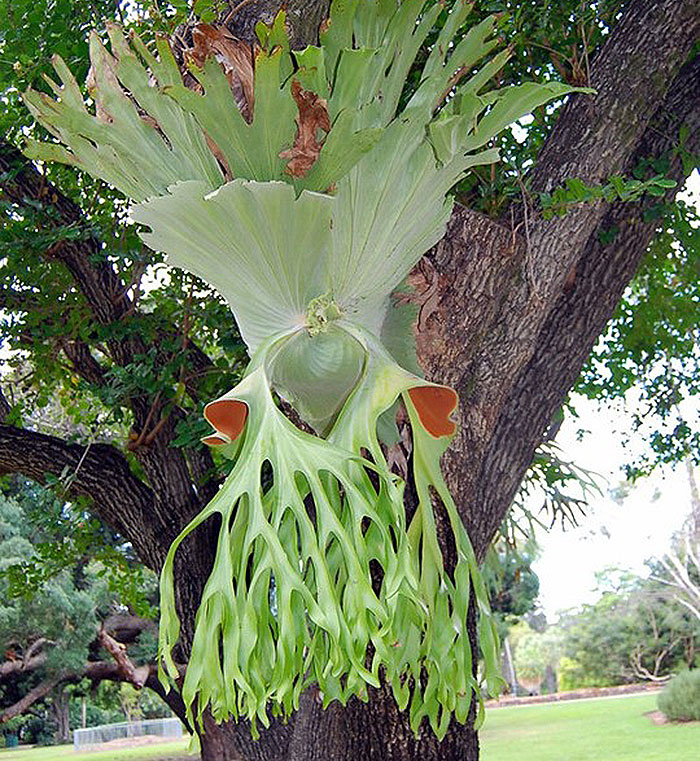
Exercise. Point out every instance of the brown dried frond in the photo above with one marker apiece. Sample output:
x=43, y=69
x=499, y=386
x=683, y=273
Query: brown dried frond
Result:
x=313, y=116
x=235, y=57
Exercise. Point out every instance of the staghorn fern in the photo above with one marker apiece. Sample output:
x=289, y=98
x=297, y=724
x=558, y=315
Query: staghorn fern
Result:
x=296, y=186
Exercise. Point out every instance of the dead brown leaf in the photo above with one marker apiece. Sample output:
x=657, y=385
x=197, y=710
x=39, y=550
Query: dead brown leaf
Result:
x=219, y=156
x=235, y=57
x=313, y=116
x=397, y=456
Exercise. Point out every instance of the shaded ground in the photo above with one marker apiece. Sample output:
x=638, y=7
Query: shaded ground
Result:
x=657, y=717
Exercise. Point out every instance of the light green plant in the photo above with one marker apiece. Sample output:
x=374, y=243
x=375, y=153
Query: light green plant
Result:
x=680, y=699
x=297, y=185
x=617, y=188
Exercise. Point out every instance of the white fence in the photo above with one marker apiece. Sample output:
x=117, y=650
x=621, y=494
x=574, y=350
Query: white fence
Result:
x=83, y=739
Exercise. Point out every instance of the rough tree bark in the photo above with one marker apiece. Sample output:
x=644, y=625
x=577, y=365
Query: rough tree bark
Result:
x=515, y=308
x=61, y=709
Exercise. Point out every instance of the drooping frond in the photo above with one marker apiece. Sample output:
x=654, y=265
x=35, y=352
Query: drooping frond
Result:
x=304, y=186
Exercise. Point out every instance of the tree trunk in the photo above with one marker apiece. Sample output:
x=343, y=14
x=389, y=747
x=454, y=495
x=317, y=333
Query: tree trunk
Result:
x=483, y=351
x=61, y=710
x=512, y=318
x=549, y=683
x=509, y=667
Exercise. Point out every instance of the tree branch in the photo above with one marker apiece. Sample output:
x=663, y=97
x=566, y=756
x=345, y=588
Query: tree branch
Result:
x=513, y=323
x=5, y=407
x=83, y=361
x=18, y=665
x=36, y=693
x=96, y=671
x=121, y=669
x=135, y=675
x=34, y=648
x=100, y=472
x=641, y=672
x=579, y=315
x=126, y=627
x=95, y=276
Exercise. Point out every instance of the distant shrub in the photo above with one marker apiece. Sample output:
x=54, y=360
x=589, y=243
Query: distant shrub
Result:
x=571, y=675
x=680, y=700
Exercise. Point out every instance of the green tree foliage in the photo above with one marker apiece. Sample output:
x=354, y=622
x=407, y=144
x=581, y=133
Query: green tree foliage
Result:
x=62, y=538
x=58, y=588
x=632, y=633
x=651, y=347
x=64, y=609
x=512, y=584
x=534, y=653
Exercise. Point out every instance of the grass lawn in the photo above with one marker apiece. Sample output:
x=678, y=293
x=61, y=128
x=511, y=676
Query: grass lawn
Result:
x=166, y=751
x=607, y=729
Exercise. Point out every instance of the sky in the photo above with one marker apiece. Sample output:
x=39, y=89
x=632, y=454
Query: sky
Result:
x=613, y=533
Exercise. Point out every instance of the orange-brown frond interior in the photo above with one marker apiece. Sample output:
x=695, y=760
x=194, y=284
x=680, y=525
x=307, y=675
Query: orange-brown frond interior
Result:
x=435, y=405
x=228, y=416
x=214, y=440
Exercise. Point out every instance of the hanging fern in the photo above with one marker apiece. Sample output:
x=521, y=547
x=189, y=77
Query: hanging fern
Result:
x=297, y=186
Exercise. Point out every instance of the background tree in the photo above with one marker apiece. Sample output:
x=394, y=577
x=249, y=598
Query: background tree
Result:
x=63, y=622
x=679, y=569
x=511, y=302
x=513, y=587
x=537, y=655
x=632, y=633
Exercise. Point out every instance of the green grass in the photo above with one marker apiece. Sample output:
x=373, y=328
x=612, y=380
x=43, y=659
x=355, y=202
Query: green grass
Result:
x=166, y=751
x=608, y=729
